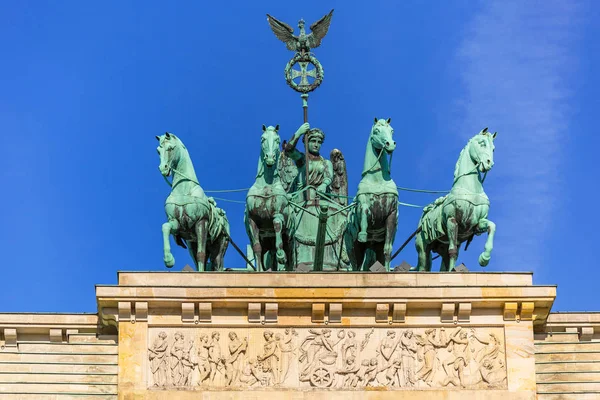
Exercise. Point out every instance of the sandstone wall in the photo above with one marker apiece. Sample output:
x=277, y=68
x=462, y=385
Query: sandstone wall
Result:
x=56, y=356
x=568, y=357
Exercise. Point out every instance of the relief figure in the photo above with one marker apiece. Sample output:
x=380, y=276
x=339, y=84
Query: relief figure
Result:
x=288, y=351
x=454, y=368
x=203, y=356
x=408, y=343
x=270, y=357
x=181, y=365
x=214, y=357
x=237, y=349
x=158, y=359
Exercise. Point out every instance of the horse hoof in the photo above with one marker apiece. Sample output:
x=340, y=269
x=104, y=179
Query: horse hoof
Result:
x=281, y=258
x=169, y=261
x=484, y=259
x=362, y=237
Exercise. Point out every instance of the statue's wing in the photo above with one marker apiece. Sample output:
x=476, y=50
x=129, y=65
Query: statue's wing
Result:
x=288, y=171
x=339, y=181
x=319, y=30
x=284, y=32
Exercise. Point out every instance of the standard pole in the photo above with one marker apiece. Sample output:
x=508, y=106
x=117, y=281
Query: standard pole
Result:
x=304, y=97
x=320, y=242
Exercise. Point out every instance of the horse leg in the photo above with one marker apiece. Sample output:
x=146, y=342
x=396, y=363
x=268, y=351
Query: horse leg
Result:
x=167, y=229
x=363, y=210
x=256, y=247
x=423, y=254
x=490, y=227
x=217, y=252
x=452, y=227
x=201, y=237
x=391, y=224
x=278, y=222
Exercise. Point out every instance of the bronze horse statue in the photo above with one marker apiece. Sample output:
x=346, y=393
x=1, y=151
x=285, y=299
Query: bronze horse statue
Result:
x=193, y=218
x=458, y=216
x=373, y=224
x=267, y=212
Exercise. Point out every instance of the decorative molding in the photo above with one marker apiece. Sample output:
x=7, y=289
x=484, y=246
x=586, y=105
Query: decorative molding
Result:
x=335, y=312
x=10, y=337
x=587, y=332
x=125, y=311
x=527, y=311
x=399, y=312
x=271, y=311
x=141, y=311
x=318, y=312
x=56, y=335
x=254, y=312
x=188, y=313
x=464, y=312
x=205, y=312
x=510, y=311
x=447, y=312
x=382, y=311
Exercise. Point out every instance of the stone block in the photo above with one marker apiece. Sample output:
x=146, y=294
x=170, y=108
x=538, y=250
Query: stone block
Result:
x=510, y=311
x=254, y=310
x=335, y=312
x=141, y=311
x=587, y=332
x=527, y=311
x=318, y=312
x=447, y=312
x=124, y=311
x=464, y=312
x=399, y=312
x=56, y=335
x=10, y=337
x=382, y=312
x=271, y=312
x=204, y=312
x=187, y=313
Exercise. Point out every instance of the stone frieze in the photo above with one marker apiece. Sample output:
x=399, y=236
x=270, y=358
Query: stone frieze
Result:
x=326, y=358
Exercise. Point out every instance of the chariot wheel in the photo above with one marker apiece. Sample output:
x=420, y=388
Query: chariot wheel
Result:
x=321, y=377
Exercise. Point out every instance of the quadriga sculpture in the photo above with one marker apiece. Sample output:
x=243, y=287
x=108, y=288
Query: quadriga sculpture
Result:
x=193, y=218
x=373, y=223
x=463, y=213
x=266, y=214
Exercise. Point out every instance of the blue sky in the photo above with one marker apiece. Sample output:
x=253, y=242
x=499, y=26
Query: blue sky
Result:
x=86, y=86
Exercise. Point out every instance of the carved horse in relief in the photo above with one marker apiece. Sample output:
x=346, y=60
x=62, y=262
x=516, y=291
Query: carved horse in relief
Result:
x=193, y=218
x=461, y=214
x=374, y=221
x=267, y=212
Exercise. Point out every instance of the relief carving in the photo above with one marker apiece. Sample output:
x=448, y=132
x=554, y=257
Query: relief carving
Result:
x=324, y=358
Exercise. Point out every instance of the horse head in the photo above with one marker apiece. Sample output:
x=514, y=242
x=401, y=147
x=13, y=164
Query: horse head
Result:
x=169, y=150
x=269, y=144
x=381, y=135
x=481, y=150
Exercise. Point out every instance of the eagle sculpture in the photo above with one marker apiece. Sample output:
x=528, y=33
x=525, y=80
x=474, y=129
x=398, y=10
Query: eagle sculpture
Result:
x=303, y=42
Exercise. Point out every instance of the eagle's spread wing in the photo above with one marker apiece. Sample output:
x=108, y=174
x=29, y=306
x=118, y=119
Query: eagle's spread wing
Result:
x=319, y=30
x=284, y=32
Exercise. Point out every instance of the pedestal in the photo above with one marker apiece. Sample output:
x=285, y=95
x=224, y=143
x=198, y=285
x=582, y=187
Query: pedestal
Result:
x=325, y=335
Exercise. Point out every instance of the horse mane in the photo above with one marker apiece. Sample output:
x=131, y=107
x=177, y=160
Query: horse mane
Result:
x=371, y=159
x=461, y=155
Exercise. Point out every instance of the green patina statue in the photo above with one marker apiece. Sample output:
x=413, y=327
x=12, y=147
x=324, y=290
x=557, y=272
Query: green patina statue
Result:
x=193, y=218
x=372, y=225
x=267, y=213
x=322, y=184
x=461, y=214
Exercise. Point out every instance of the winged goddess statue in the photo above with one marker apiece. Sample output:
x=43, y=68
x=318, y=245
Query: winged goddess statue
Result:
x=303, y=42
